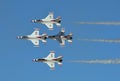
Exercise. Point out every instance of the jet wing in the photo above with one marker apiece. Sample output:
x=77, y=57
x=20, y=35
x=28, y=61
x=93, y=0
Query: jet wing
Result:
x=59, y=40
x=51, y=65
x=51, y=56
x=49, y=25
x=35, y=42
x=50, y=16
x=62, y=43
x=35, y=33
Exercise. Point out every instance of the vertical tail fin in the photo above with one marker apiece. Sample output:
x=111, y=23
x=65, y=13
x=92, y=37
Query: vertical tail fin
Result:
x=58, y=24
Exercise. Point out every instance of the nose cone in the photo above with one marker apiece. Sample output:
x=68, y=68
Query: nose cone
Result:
x=19, y=37
x=34, y=21
x=33, y=60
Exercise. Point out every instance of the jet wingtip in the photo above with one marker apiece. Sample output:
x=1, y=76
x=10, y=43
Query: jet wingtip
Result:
x=51, y=29
x=52, y=51
x=52, y=69
x=36, y=46
x=37, y=29
x=51, y=12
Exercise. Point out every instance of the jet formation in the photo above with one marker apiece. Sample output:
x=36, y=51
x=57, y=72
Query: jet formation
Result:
x=35, y=37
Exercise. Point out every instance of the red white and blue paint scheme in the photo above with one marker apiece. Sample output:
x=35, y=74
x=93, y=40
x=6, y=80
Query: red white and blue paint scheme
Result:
x=50, y=60
x=35, y=37
x=49, y=21
x=61, y=37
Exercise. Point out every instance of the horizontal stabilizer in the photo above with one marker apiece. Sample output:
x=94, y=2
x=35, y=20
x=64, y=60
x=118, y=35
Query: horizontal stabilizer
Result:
x=58, y=24
x=70, y=41
x=44, y=41
x=60, y=63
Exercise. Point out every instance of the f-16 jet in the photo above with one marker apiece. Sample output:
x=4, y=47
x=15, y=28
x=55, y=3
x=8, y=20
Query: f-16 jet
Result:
x=61, y=37
x=35, y=37
x=50, y=60
x=49, y=21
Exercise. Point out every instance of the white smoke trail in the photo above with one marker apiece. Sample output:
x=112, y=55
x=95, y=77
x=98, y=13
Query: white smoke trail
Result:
x=101, y=40
x=100, y=23
x=97, y=61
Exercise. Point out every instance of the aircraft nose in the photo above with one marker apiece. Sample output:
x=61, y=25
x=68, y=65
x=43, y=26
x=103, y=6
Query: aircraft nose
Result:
x=33, y=21
x=19, y=37
x=33, y=60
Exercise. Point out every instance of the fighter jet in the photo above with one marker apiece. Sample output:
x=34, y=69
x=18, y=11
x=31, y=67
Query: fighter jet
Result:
x=35, y=37
x=61, y=37
x=49, y=21
x=50, y=60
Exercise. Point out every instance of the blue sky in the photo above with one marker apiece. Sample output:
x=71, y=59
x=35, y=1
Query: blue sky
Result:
x=16, y=55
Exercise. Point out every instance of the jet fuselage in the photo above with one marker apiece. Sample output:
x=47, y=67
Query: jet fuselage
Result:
x=48, y=60
x=67, y=37
x=32, y=37
x=43, y=21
